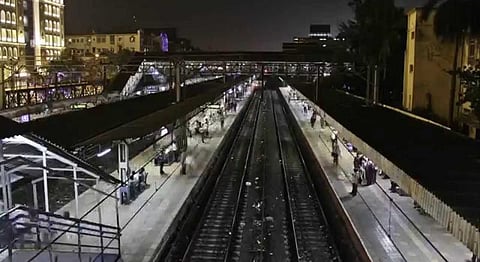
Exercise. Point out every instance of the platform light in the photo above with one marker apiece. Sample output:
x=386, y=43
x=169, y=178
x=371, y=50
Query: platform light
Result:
x=104, y=152
x=163, y=131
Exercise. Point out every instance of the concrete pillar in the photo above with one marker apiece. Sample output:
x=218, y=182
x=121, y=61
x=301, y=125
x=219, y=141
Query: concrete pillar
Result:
x=178, y=82
x=35, y=195
x=75, y=190
x=375, y=85
x=317, y=84
x=2, y=86
x=45, y=182
x=3, y=175
x=123, y=161
x=367, y=95
x=262, y=75
x=181, y=131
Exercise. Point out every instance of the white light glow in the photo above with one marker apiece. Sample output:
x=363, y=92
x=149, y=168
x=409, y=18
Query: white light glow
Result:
x=103, y=153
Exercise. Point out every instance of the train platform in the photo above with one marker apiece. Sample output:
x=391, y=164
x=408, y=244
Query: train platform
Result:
x=145, y=222
x=387, y=223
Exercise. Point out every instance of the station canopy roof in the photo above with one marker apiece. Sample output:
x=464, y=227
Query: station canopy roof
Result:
x=129, y=118
x=10, y=128
x=29, y=156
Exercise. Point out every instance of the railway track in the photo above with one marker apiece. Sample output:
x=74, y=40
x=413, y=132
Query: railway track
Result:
x=213, y=236
x=308, y=223
x=263, y=206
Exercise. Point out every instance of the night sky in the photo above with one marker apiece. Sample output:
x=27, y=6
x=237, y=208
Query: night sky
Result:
x=213, y=24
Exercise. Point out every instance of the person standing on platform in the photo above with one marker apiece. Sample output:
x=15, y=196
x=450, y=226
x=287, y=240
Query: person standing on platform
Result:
x=334, y=138
x=336, y=153
x=355, y=182
x=222, y=121
x=206, y=126
x=305, y=108
x=313, y=119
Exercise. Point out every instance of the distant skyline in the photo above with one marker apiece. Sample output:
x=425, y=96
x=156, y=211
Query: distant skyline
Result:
x=214, y=24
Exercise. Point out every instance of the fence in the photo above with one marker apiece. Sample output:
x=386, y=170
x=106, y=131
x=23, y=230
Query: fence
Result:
x=29, y=234
x=460, y=228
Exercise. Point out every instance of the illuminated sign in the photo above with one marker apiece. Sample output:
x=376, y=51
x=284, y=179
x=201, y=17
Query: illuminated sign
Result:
x=164, y=38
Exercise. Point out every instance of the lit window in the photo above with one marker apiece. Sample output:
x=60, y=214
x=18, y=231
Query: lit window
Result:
x=2, y=16
x=10, y=52
x=8, y=18
x=14, y=19
x=15, y=52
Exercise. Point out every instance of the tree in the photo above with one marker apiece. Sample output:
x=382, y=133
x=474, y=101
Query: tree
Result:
x=377, y=28
x=453, y=21
x=121, y=58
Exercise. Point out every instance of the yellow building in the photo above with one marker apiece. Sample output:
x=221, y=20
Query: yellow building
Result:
x=427, y=81
x=12, y=38
x=31, y=31
x=46, y=33
x=92, y=44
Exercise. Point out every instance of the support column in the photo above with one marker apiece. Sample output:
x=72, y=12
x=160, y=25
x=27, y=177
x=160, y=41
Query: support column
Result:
x=181, y=130
x=75, y=189
x=262, y=75
x=178, y=81
x=367, y=95
x=317, y=84
x=3, y=175
x=123, y=162
x=35, y=195
x=45, y=181
x=9, y=189
x=2, y=86
x=375, y=85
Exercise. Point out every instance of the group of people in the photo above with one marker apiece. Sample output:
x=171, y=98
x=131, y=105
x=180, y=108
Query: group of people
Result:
x=201, y=128
x=136, y=184
x=167, y=155
x=365, y=172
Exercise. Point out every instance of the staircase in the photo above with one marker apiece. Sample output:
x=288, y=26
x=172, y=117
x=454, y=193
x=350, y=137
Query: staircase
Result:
x=28, y=234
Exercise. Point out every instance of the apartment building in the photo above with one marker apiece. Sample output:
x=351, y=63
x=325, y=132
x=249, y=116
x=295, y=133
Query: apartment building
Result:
x=32, y=31
x=98, y=43
x=428, y=78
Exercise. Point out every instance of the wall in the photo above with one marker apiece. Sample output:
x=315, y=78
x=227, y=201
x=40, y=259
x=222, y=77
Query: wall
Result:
x=438, y=210
x=428, y=86
x=104, y=42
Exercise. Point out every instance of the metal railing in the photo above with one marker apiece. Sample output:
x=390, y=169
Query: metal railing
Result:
x=29, y=233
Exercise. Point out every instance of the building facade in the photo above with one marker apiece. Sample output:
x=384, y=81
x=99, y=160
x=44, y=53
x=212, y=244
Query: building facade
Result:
x=428, y=64
x=93, y=44
x=141, y=40
x=31, y=32
x=44, y=29
x=12, y=36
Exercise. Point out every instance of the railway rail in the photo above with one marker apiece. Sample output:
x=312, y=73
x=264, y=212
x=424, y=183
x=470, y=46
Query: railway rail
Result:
x=263, y=206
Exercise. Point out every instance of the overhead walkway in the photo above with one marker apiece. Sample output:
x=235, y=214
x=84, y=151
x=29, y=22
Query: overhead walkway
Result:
x=127, y=118
x=435, y=166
